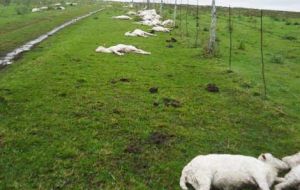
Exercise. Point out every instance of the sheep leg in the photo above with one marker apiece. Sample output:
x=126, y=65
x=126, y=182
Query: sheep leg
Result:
x=149, y=34
x=118, y=53
x=284, y=185
x=263, y=185
x=142, y=52
x=279, y=179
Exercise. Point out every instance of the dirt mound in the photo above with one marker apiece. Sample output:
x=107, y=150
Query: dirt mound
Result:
x=212, y=88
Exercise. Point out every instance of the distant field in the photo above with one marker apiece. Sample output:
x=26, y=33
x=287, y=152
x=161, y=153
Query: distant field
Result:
x=17, y=29
x=74, y=119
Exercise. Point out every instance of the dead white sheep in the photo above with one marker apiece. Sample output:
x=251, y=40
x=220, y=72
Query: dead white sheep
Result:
x=34, y=10
x=122, y=17
x=149, y=15
x=131, y=13
x=150, y=22
x=160, y=29
x=168, y=22
x=44, y=8
x=224, y=171
x=291, y=179
x=139, y=33
x=121, y=49
x=293, y=160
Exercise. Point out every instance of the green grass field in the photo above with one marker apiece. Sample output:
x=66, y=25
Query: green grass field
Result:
x=74, y=119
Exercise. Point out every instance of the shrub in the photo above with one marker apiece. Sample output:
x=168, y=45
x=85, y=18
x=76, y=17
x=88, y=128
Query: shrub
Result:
x=287, y=37
x=288, y=23
x=21, y=10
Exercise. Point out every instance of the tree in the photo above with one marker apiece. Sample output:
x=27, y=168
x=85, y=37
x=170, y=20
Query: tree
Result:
x=213, y=26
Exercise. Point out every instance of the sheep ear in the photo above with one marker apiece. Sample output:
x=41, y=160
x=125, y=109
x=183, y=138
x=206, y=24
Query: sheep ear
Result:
x=264, y=157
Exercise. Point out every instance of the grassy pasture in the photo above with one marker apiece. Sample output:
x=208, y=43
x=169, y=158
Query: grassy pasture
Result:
x=74, y=119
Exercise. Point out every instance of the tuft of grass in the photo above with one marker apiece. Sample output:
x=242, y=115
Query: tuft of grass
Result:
x=242, y=45
x=277, y=59
x=288, y=37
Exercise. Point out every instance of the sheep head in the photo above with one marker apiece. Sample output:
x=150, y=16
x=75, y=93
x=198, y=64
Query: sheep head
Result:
x=102, y=49
x=274, y=162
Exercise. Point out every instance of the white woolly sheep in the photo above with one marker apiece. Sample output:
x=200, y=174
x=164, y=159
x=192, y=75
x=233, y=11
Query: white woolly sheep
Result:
x=44, y=8
x=149, y=15
x=121, y=49
x=34, y=10
x=160, y=29
x=290, y=180
x=150, y=22
x=168, y=22
x=223, y=171
x=132, y=13
x=139, y=33
x=293, y=160
x=122, y=17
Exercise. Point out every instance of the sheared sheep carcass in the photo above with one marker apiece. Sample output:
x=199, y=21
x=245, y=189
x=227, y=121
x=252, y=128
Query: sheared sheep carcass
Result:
x=224, y=171
x=131, y=13
x=160, y=29
x=293, y=160
x=149, y=15
x=34, y=10
x=168, y=22
x=122, y=17
x=150, y=22
x=139, y=33
x=121, y=49
x=291, y=179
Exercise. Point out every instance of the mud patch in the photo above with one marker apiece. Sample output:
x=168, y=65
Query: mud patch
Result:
x=171, y=40
x=81, y=81
x=125, y=80
x=155, y=103
x=133, y=149
x=245, y=85
x=76, y=60
x=117, y=111
x=172, y=102
x=153, y=90
x=229, y=71
x=159, y=138
x=212, y=88
x=152, y=31
x=63, y=94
